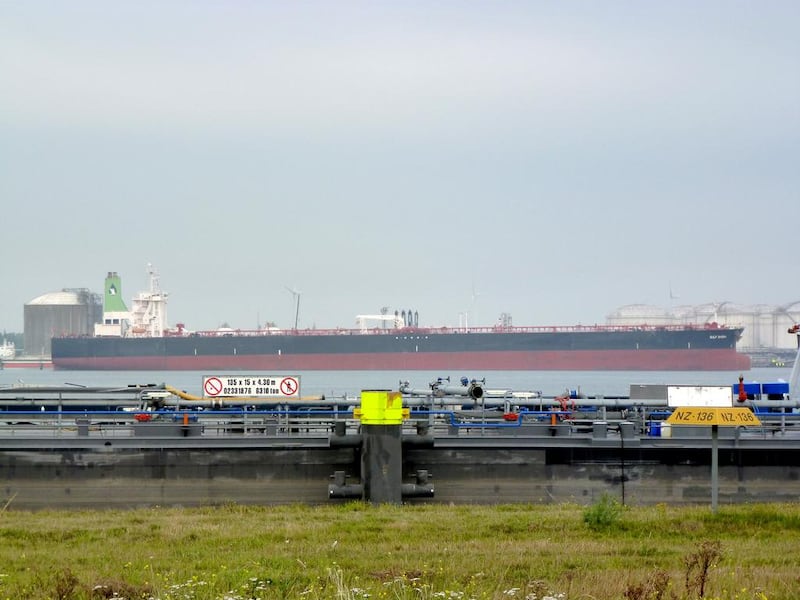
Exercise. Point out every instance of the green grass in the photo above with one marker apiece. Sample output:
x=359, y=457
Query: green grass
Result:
x=424, y=552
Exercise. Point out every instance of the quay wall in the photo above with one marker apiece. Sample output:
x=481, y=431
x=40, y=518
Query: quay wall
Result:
x=158, y=473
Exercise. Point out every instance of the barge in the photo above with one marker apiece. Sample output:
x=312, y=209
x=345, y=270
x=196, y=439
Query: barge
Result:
x=154, y=445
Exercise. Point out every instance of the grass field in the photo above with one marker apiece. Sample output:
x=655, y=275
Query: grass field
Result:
x=356, y=551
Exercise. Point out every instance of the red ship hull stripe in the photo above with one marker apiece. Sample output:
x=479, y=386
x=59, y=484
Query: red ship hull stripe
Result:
x=573, y=360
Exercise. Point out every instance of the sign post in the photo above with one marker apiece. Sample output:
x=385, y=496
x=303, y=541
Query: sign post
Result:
x=714, y=468
x=716, y=416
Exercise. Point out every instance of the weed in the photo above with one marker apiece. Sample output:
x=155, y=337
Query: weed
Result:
x=7, y=503
x=65, y=584
x=603, y=514
x=699, y=563
x=654, y=588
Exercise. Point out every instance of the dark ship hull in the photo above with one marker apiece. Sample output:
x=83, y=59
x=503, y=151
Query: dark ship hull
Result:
x=514, y=348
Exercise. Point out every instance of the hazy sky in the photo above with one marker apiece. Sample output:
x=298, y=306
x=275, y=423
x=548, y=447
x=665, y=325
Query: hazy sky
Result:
x=553, y=160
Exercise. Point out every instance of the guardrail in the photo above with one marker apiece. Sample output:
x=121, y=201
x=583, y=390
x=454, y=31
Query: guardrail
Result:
x=316, y=423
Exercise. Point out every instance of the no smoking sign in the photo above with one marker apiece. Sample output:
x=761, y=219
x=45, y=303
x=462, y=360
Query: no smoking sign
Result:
x=212, y=386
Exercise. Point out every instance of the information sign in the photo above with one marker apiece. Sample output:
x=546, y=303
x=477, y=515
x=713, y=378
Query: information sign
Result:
x=252, y=386
x=728, y=416
x=698, y=395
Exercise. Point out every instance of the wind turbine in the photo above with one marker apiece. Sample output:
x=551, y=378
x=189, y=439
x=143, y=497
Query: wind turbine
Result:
x=672, y=296
x=296, y=296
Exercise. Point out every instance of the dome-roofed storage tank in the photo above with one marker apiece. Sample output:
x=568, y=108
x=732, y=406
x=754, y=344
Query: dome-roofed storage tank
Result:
x=68, y=312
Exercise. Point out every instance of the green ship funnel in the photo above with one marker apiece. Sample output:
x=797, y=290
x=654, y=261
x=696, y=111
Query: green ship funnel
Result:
x=113, y=294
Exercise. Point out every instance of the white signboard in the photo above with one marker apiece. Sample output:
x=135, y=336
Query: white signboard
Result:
x=252, y=386
x=697, y=395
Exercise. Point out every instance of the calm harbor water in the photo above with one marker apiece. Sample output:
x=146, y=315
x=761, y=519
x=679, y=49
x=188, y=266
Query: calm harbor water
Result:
x=338, y=383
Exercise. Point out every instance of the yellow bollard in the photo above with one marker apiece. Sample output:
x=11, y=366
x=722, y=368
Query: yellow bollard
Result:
x=382, y=407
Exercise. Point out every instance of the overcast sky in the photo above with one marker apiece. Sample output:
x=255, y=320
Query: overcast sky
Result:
x=552, y=160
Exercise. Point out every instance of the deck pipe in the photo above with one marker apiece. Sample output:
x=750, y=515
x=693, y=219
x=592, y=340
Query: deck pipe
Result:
x=792, y=401
x=421, y=488
x=438, y=395
x=473, y=389
x=341, y=489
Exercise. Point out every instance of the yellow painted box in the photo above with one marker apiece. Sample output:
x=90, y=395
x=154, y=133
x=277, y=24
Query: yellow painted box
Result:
x=381, y=407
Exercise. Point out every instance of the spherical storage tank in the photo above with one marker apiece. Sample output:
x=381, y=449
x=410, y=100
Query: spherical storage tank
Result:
x=68, y=312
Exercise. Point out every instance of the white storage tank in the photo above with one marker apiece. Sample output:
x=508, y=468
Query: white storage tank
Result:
x=765, y=325
x=68, y=312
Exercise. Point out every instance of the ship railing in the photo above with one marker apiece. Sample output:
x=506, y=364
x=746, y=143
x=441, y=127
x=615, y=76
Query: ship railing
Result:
x=455, y=330
x=324, y=423
x=306, y=422
x=643, y=327
x=169, y=423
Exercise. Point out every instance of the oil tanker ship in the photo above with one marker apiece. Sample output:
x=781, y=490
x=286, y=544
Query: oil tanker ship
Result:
x=139, y=339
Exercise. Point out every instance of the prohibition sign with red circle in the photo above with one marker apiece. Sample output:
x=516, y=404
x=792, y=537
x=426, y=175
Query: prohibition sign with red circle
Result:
x=213, y=386
x=289, y=386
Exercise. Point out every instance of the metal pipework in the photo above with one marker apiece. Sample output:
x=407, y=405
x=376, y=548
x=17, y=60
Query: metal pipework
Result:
x=421, y=488
x=473, y=389
x=623, y=402
x=785, y=403
x=341, y=489
x=214, y=403
x=68, y=403
x=192, y=401
x=418, y=441
x=73, y=389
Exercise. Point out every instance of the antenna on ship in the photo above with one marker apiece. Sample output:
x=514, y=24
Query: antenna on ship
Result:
x=296, y=296
x=717, y=306
x=153, y=279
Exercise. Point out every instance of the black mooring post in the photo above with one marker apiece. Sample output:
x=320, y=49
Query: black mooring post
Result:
x=382, y=463
x=381, y=415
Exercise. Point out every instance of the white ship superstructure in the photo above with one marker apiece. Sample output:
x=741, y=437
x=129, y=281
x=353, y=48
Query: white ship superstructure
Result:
x=147, y=317
x=149, y=309
x=8, y=351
